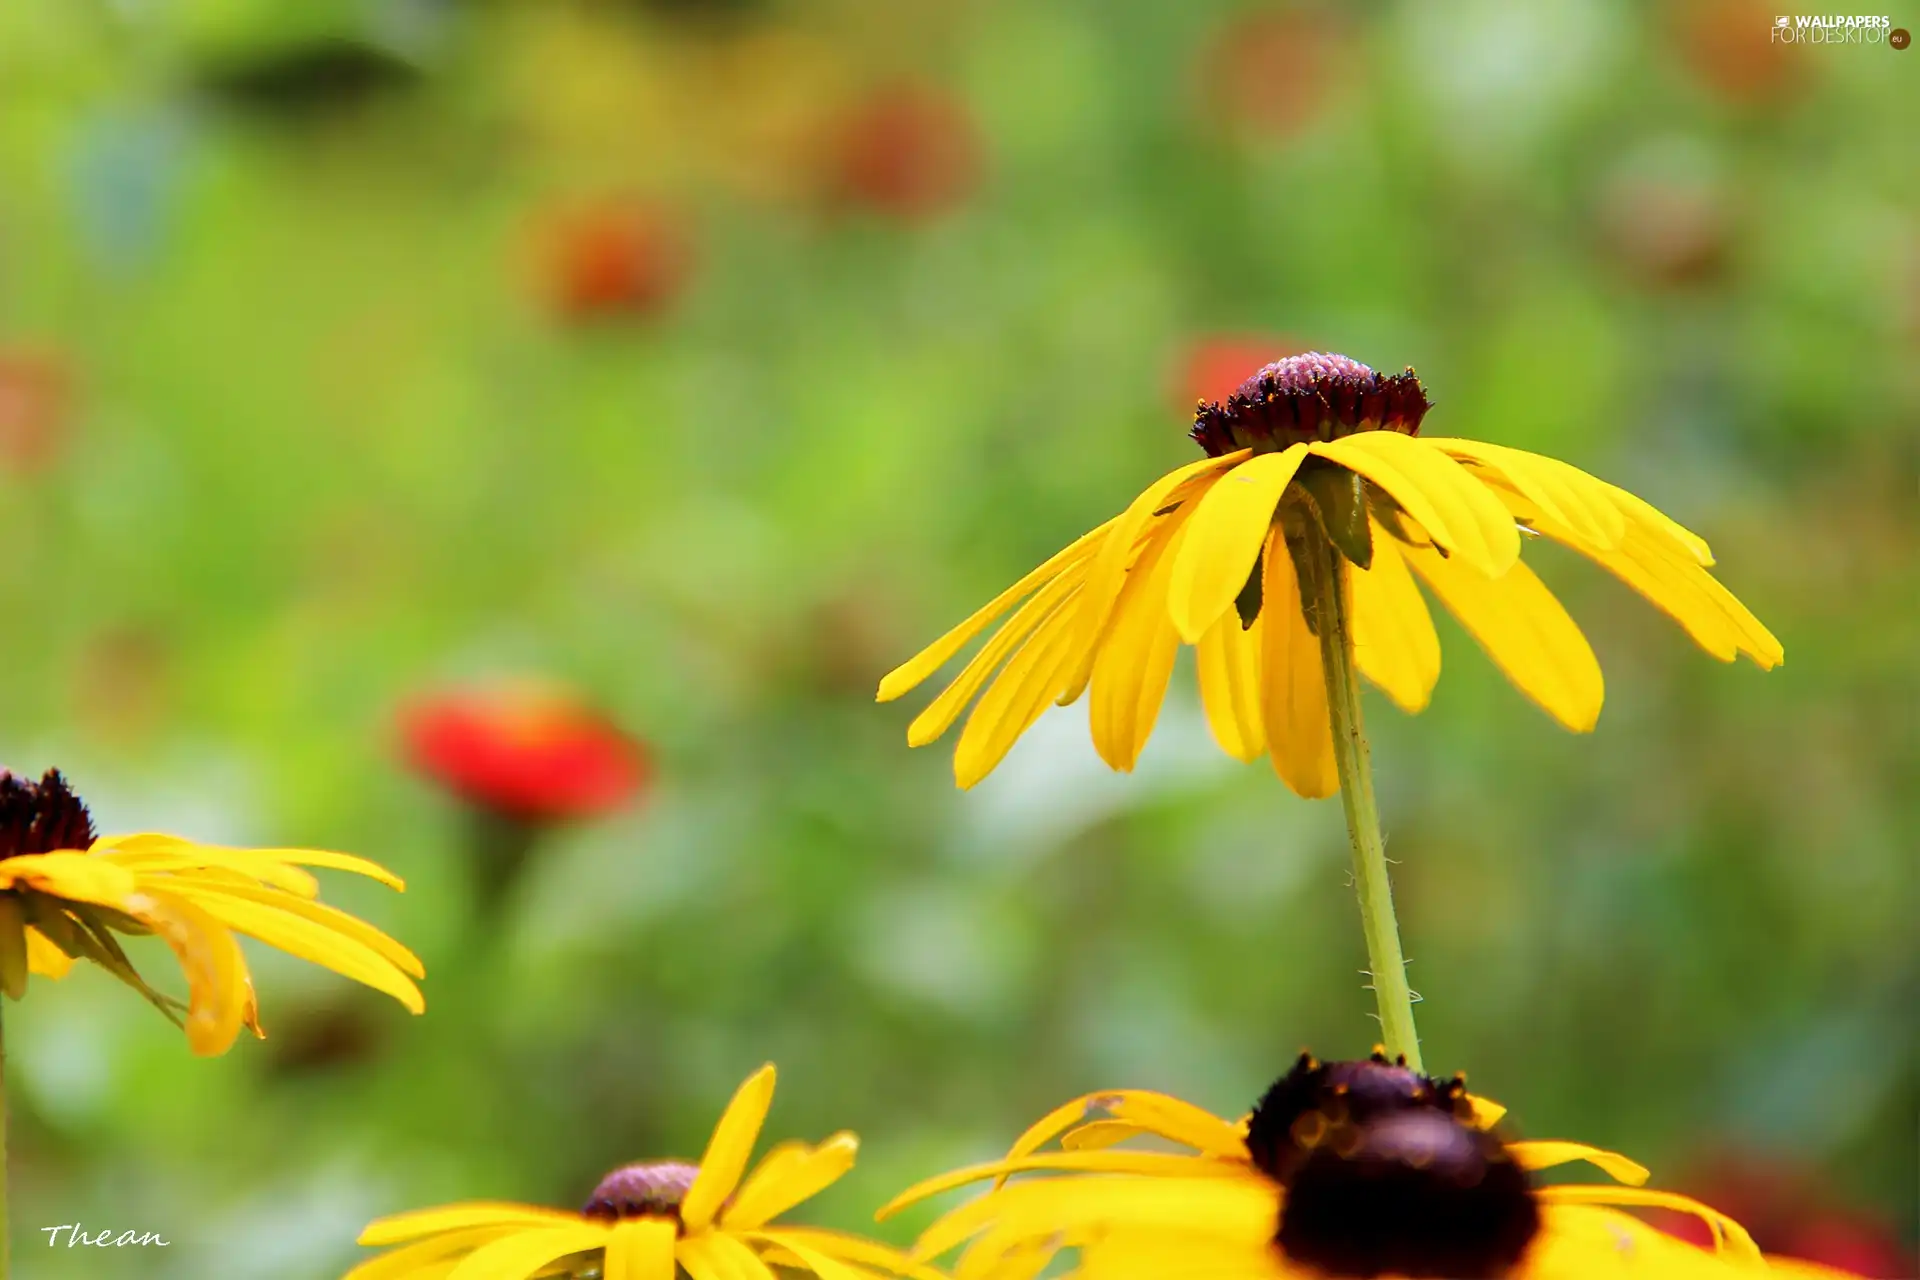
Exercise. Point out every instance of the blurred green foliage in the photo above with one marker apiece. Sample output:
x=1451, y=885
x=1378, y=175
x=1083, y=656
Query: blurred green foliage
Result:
x=320, y=439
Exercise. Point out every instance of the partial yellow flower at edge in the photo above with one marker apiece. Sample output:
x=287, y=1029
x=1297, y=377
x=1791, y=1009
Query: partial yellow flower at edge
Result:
x=64, y=896
x=1220, y=1208
x=645, y=1220
x=1312, y=447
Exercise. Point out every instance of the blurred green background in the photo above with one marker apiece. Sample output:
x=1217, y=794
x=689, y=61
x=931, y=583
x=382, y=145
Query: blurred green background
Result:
x=714, y=357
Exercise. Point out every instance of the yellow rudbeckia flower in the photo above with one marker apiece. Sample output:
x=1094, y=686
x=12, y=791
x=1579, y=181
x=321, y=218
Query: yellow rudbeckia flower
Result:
x=1343, y=1169
x=1227, y=554
x=64, y=895
x=645, y=1220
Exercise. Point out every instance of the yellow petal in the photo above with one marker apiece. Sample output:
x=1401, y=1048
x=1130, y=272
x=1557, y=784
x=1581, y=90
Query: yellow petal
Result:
x=850, y=1248
x=1178, y=1121
x=435, y=1254
x=1135, y=657
x=1107, y=1161
x=416, y=1223
x=1046, y=1129
x=714, y=1256
x=217, y=989
x=73, y=876
x=1432, y=487
x=518, y=1256
x=1229, y=526
x=1525, y=631
x=1144, y=525
x=811, y=1259
x=640, y=1249
x=1545, y=1155
x=1299, y=734
x=261, y=863
x=44, y=958
x=1394, y=642
x=773, y=1189
x=1021, y=692
x=1657, y=522
x=329, y=918
x=945, y=709
x=910, y=673
x=1228, y=658
x=1564, y=493
x=1729, y=1236
x=1110, y=566
x=1486, y=1112
x=1098, y=1135
x=312, y=940
x=728, y=1150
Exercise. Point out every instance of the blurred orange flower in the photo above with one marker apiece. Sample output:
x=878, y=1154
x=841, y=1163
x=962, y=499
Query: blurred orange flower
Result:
x=612, y=258
x=1213, y=367
x=36, y=403
x=529, y=752
x=1268, y=72
x=1793, y=1212
x=908, y=150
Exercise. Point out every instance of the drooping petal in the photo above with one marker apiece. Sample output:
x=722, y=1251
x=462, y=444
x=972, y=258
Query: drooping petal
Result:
x=1449, y=502
x=1177, y=1121
x=717, y=1256
x=1168, y=1164
x=945, y=709
x=728, y=1150
x=262, y=864
x=44, y=958
x=1135, y=658
x=1545, y=1155
x=1525, y=631
x=1029, y=682
x=1729, y=1236
x=1294, y=702
x=328, y=918
x=310, y=939
x=1229, y=528
x=424, y=1257
x=640, y=1249
x=1176, y=505
x=824, y=1265
x=518, y=1256
x=217, y=989
x=1564, y=493
x=1228, y=661
x=1110, y=566
x=1394, y=642
x=776, y=1187
x=850, y=1248
x=415, y=1224
x=913, y=671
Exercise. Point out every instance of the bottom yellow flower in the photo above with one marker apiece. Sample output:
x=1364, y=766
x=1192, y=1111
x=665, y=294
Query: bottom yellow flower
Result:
x=1358, y=1169
x=645, y=1220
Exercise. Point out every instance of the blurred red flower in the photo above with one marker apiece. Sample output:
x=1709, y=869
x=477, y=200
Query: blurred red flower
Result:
x=36, y=399
x=908, y=150
x=1268, y=71
x=612, y=258
x=527, y=752
x=1729, y=47
x=1791, y=1212
x=1213, y=368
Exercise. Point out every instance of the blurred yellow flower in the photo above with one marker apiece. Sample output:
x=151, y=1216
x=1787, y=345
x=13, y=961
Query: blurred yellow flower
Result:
x=1359, y=1168
x=64, y=895
x=645, y=1220
x=1314, y=451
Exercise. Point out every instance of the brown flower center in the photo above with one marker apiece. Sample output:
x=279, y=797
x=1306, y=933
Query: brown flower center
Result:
x=39, y=817
x=651, y=1189
x=1316, y=396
